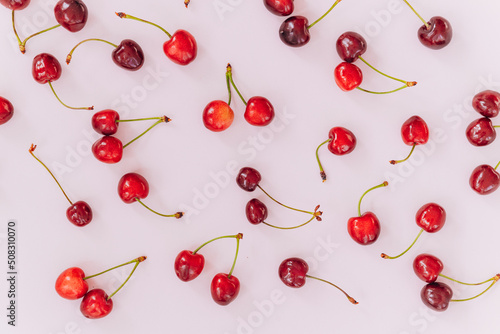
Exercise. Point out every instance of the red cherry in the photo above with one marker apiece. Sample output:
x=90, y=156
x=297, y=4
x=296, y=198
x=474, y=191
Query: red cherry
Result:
x=256, y=211
x=70, y=284
x=431, y=217
x=71, y=14
x=415, y=131
x=224, y=288
x=188, y=266
x=427, y=267
x=132, y=186
x=365, y=229
x=105, y=122
x=350, y=46
x=481, y=132
x=487, y=103
x=6, y=110
x=217, y=116
x=294, y=31
x=293, y=272
x=46, y=68
x=259, y=111
x=484, y=179
x=108, y=149
x=181, y=48
x=342, y=141
x=279, y=7
x=436, y=296
x=248, y=178
x=95, y=304
x=79, y=213
x=128, y=55
x=438, y=35
x=15, y=4
x=348, y=76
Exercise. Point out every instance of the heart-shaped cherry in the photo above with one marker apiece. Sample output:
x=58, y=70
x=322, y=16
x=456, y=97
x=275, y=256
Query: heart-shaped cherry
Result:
x=414, y=131
x=6, y=110
x=427, y=267
x=350, y=46
x=484, y=179
x=71, y=284
x=72, y=15
x=224, y=288
x=365, y=229
x=347, y=76
x=106, y=122
x=436, y=296
x=487, y=103
x=108, y=149
x=293, y=273
x=279, y=7
x=96, y=304
x=15, y=4
x=341, y=141
x=481, y=132
x=79, y=213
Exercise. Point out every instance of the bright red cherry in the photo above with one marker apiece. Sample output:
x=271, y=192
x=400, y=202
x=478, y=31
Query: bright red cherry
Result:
x=294, y=31
x=279, y=7
x=259, y=111
x=436, y=34
x=71, y=14
x=133, y=186
x=427, y=267
x=224, y=288
x=46, y=68
x=481, y=132
x=350, y=46
x=487, y=103
x=79, y=213
x=248, y=178
x=15, y=4
x=6, y=110
x=347, y=76
x=96, y=304
x=188, y=266
x=71, y=284
x=431, y=217
x=293, y=272
x=342, y=141
x=218, y=116
x=414, y=131
x=436, y=296
x=484, y=179
x=105, y=122
x=108, y=149
x=256, y=211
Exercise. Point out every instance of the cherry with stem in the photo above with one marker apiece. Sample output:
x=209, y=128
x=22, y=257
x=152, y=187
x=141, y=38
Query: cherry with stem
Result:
x=414, y=131
x=256, y=213
x=218, y=115
x=341, y=141
x=485, y=179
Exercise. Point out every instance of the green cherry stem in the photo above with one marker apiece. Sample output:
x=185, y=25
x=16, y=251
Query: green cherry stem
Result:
x=22, y=45
x=323, y=16
x=237, y=236
x=70, y=54
x=495, y=279
x=393, y=162
x=31, y=150
x=137, y=260
x=498, y=164
x=352, y=300
x=228, y=82
x=420, y=17
x=290, y=228
x=15, y=31
x=229, y=70
x=141, y=119
x=175, y=215
x=163, y=119
x=64, y=104
x=385, y=256
x=321, y=170
x=126, y=16
x=381, y=93
x=407, y=83
x=384, y=184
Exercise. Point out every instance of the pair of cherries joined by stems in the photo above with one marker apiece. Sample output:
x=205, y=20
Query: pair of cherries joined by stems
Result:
x=218, y=115
x=224, y=287
x=248, y=179
x=6, y=110
x=72, y=284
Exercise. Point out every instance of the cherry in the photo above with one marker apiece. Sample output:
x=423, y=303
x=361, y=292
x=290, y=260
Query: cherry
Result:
x=413, y=132
x=487, y=103
x=484, y=179
x=293, y=273
x=15, y=4
x=436, y=296
x=427, y=267
x=181, y=47
x=248, y=178
x=6, y=110
x=71, y=284
x=365, y=229
x=224, y=288
x=340, y=141
x=188, y=265
x=481, y=132
x=79, y=213
x=218, y=115
x=105, y=122
x=71, y=14
x=279, y=7
x=256, y=211
x=347, y=76
x=108, y=149
x=350, y=46
x=96, y=304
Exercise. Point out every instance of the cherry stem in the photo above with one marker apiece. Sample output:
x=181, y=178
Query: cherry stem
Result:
x=239, y=235
x=236, y=254
x=315, y=214
x=22, y=45
x=385, y=256
x=385, y=184
x=460, y=282
x=495, y=279
x=32, y=148
x=420, y=17
x=70, y=54
x=323, y=16
x=186, y=3
x=142, y=119
x=229, y=70
x=15, y=32
x=321, y=171
x=228, y=82
x=380, y=72
x=125, y=282
x=393, y=162
x=64, y=104
x=352, y=300
x=498, y=164
x=381, y=93
x=137, y=260
x=289, y=228
x=175, y=215
x=126, y=16
x=163, y=119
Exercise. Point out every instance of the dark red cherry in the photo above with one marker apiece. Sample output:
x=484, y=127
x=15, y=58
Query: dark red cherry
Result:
x=108, y=149
x=105, y=122
x=347, y=76
x=427, y=267
x=292, y=272
x=70, y=284
x=350, y=46
x=481, y=132
x=259, y=111
x=436, y=295
x=132, y=186
x=6, y=110
x=438, y=35
x=15, y=4
x=224, y=288
x=218, y=116
x=95, y=304
x=128, y=55
x=484, y=179
x=342, y=141
x=46, y=68
x=279, y=7
x=79, y=213
x=487, y=103
x=181, y=48
x=188, y=266
x=248, y=178
x=365, y=229
x=294, y=31
x=71, y=14
x=415, y=131
x=256, y=211
x=431, y=217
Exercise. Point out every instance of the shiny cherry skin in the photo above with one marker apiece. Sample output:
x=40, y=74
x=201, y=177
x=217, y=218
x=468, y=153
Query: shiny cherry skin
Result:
x=248, y=178
x=279, y=7
x=256, y=211
x=292, y=272
x=46, y=68
x=438, y=36
x=218, y=116
x=487, y=103
x=431, y=217
x=415, y=131
x=108, y=149
x=95, y=304
x=427, y=267
x=71, y=14
x=481, y=132
x=350, y=46
x=15, y=4
x=6, y=110
x=365, y=230
x=342, y=141
x=70, y=284
x=259, y=111
x=224, y=289
x=188, y=266
x=128, y=55
x=347, y=76
x=436, y=296
x=484, y=179
x=181, y=48
x=294, y=32
x=132, y=186
x=105, y=122
x=79, y=213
